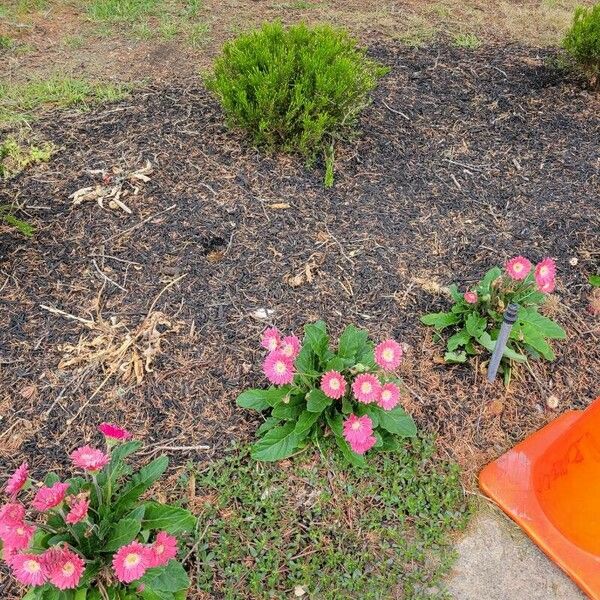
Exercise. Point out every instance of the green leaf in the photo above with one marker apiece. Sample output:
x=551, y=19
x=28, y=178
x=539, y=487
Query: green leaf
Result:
x=370, y=410
x=352, y=341
x=307, y=361
x=475, y=325
x=170, y=578
x=172, y=519
x=455, y=357
x=276, y=444
x=315, y=335
x=440, y=320
x=485, y=284
x=397, y=421
x=121, y=534
x=460, y=338
x=337, y=427
x=269, y=423
x=80, y=594
x=140, y=482
x=317, y=401
x=305, y=423
x=532, y=337
x=594, y=280
x=117, y=465
x=486, y=341
x=337, y=363
x=543, y=325
x=288, y=411
x=456, y=295
x=261, y=399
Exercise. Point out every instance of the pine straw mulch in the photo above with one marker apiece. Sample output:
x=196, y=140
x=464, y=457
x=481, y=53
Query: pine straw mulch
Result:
x=152, y=319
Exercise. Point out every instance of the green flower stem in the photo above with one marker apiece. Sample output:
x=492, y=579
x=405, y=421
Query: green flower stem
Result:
x=97, y=488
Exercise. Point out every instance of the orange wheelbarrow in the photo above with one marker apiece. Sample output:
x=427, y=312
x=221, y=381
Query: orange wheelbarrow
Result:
x=550, y=485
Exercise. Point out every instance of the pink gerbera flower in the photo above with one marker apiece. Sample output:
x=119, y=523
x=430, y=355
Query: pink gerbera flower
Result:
x=49, y=497
x=389, y=397
x=357, y=428
x=64, y=568
x=130, y=562
x=271, y=339
x=18, y=536
x=358, y=433
x=78, y=512
x=89, y=459
x=361, y=446
x=278, y=368
x=28, y=569
x=388, y=355
x=11, y=514
x=366, y=388
x=17, y=480
x=290, y=346
x=163, y=549
x=518, y=268
x=470, y=297
x=545, y=272
x=547, y=287
x=333, y=384
x=113, y=431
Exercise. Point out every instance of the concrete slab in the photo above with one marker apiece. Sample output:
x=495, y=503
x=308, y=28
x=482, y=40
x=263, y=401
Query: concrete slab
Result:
x=497, y=561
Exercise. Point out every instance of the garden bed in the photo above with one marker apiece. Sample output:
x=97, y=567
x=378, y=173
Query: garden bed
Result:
x=464, y=159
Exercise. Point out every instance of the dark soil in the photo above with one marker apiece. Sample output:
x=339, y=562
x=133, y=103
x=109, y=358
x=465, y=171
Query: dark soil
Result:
x=494, y=154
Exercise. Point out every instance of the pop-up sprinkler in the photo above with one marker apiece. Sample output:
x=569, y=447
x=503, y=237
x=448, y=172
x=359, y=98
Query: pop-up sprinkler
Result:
x=510, y=316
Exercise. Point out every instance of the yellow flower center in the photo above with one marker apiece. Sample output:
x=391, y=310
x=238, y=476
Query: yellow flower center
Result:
x=518, y=267
x=356, y=425
x=20, y=531
x=388, y=354
x=386, y=395
x=68, y=569
x=280, y=367
x=32, y=566
x=366, y=388
x=334, y=384
x=159, y=549
x=131, y=560
x=544, y=271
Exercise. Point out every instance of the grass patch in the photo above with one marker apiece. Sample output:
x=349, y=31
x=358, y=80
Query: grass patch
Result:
x=466, y=40
x=198, y=35
x=6, y=42
x=381, y=532
x=74, y=41
x=121, y=11
x=15, y=157
x=19, y=101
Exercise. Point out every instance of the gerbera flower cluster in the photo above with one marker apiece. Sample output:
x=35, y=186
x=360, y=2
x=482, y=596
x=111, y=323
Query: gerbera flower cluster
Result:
x=477, y=314
x=518, y=268
x=342, y=391
x=76, y=510
x=278, y=366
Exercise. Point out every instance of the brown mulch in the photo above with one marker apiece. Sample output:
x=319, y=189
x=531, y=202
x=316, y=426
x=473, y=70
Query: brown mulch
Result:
x=463, y=160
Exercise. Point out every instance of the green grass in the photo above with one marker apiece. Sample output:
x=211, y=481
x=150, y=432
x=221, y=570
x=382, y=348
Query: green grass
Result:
x=339, y=534
x=197, y=34
x=15, y=157
x=19, y=102
x=119, y=11
x=74, y=41
x=466, y=40
x=28, y=6
x=6, y=42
